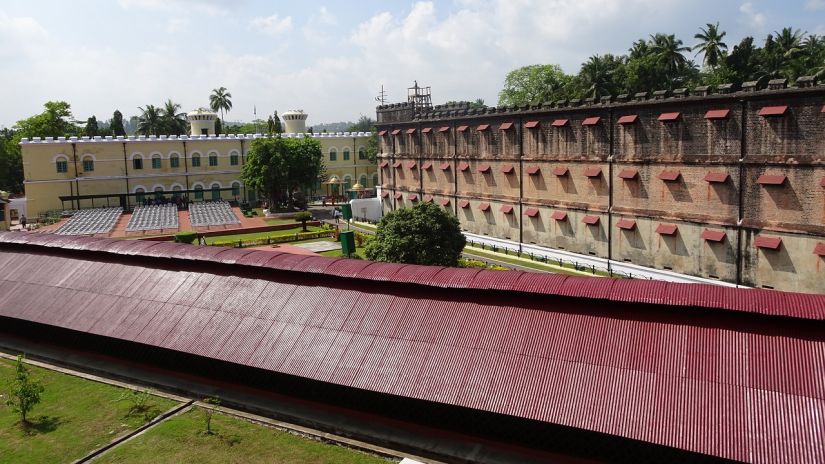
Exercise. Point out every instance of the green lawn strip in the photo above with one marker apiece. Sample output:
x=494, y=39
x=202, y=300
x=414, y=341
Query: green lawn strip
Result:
x=338, y=254
x=528, y=263
x=75, y=416
x=182, y=438
x=260, y=235
x=278, y=222
x=364, y=225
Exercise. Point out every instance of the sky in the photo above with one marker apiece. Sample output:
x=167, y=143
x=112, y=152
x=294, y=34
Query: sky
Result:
x=328, y=58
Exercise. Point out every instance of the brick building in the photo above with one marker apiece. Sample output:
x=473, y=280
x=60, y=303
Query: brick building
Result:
x=722, y=185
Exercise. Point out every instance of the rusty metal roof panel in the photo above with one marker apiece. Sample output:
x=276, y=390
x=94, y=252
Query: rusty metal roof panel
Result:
x=334, y=354
x=495, y=280
x=169, y=250
x=214, y=294
x=184, y=335
x=413, y=273
x=378, y=271
x=313, y=264
x=232, y=255
x=272, y=299
x=534, y=282
x=640, y=291
x=347, y=268
x=455, y=277
x=257, y=257
x=248, y=335
x=587, y=287
x=286, y=261
x=161, y=325
x=241, y=298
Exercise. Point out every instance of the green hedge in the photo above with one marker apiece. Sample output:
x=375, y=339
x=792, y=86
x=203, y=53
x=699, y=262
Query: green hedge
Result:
x=186, y=237
x=298, y=237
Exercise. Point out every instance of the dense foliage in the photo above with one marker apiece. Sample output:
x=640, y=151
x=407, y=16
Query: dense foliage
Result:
x=424, y=234
x=663, y=62
x=277, y=167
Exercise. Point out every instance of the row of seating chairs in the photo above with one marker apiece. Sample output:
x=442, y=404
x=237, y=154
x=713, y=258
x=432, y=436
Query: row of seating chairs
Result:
x=153, y=217
x=212, y=213
x=91, y=221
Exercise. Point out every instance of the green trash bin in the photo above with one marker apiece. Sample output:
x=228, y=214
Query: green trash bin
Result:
x=346, y=211
x=347, y=242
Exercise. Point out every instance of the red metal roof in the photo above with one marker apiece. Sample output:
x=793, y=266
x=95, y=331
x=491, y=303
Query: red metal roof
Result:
x=461, y=128
x=764, y=241
x=506, y=209
x=590, y=220
x=717, y=114
x=666, y=229
x=463, y=203
x=411, y=165
x=768, y=179
x=819, y=249
x=382, y=133
x=669, y=175
x=411, y=130
x=591, y=121
x=716, y=177
x=712, y=235
x=560, y=122
x=483, y=167
x=484, y=206
x=444, y=166
x=427, y=165
x=531, y=212
x=396, y=132
x=533, y=170
x=462, y=166
x=505, y=125
x=626, y=224
x=444, y=129
x=426, y=130
x=628, y=173
x=531, y=124
x=669, y=116
x=773, y=110
x=559, y=215
x=560, y=171
x=444, y=201
x=593, y=172
x=482, y=127
x=507, y=168
x=628, y=119
x=628, y=358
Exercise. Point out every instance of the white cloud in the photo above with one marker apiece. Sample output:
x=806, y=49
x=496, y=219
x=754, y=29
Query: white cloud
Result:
x=177, y=25
x=320, y=26
x=814, y=5
x=209, y=7
x=754, y=18
x=272, y=25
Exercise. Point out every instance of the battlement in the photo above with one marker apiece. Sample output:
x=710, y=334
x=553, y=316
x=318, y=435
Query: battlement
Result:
x=187, y=138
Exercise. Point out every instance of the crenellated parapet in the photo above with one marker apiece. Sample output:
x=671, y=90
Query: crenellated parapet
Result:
x=184, y=138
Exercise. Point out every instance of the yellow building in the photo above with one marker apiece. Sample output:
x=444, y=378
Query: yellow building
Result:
x=73, y=173
x=5, y=217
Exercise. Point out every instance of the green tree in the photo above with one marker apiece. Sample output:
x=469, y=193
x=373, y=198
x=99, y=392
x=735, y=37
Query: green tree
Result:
x=218, y=127
x=669, y=52
x=276, y=167
x=174, y=121
x=270, y=126
x=11, y=163
x=303, y=217
x=24, y=392
x=55, y=121
x=117, y=124
x=711, y=45
x=372, y=147
x=150, y=121
x=91, y=127
x=212, y=403
x=220, y=99
x=364, y=124
x=277, y=128
x=600, y=74
x=424, y=234
x=534, y=84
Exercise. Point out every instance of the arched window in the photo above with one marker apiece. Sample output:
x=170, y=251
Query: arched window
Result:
x=333, y=154
x=216, y=191
x=236, y=189
x=155, y=161
x=346, y=154
x=363, y=180
x=140, y=194
x=362, y=154
x=176, y=191
x=137, y=162
x=174, y=161
x=88, y=164
x=196, y=161
x=213, y=160
x=347, y=183
x=62, y=164
x=199, y=192
x=158, y=193
x=234, y=159
x=375, y=180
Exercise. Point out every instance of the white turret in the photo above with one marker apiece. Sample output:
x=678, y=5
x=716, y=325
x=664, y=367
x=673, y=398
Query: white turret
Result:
x=295, y=122
x=202, y=121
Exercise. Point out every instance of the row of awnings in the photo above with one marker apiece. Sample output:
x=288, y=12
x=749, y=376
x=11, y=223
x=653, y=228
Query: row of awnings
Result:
x=721, y=113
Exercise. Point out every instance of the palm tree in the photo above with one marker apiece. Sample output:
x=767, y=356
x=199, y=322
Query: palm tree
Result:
x=150, y=121
x=173, y=120
x=668, y=51
x=596, y=75
x=220, y=100
x=711, y=44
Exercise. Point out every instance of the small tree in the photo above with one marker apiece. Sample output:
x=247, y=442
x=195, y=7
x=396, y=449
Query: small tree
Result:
x=303, y=217
x=24, y=392
x=424, y=234
x=212, y=403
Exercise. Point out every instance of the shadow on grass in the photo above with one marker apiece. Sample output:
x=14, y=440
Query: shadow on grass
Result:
x=229, y=440
x=42, y=425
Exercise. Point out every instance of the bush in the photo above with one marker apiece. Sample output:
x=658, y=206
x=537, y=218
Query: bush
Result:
x=186, y=237
x=303, y=217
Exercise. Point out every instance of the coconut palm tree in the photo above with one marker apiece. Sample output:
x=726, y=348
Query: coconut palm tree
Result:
x=150, y=121
x=711, y=45
x=597, y=75
x=668, y=51
x=173, y=120
x=220, y=100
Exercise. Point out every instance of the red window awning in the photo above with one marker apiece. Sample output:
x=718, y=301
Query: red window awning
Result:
x=712, y=235
x=628, y=119
x=461, y=128
x=462, y=166
x=483, y=127
x=507, y=169
x=822, y=182
x=559, y=215
x=397, y=164
x=560, y=171
x=396, y=132
x=411, y=130
x=718, y=177
x=626, y=224
x=413, y=197
x=590, y=220
x=444, y=201
x=382, y=133
x=505, y=125
x=628, y=174
x=773, y=110
x=669, y=175
x=444, y=166
x=819, y=249
x=428, y=198
x=823, y=109
x=533, y=170
x=560, y=122
x=669, y=116
x=444, y=129
x=484, y=167
x=506, y=209
x=411, y=165
x=426, y=130
x=666, y=229
x=591, y=121
x=768, y=242
x=484, y=206
x=769, y=179
x=383, y=164
x=398, y=196
x=531, y=124
x=593, y=172
x=717, y=114
x=427, y=165
x=531, y=212
x=463, y=203
x=385, y=194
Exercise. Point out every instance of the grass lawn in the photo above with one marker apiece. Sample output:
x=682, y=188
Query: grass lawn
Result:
x=526, y=262
x=278, y=222
x=337, y=253
x=365, y=226
x=182, y=439
x=74, y=417
x=257, y=235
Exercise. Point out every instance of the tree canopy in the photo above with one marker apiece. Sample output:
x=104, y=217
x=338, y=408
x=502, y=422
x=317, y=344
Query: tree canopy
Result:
x=276, y=167
x=220, y=100
x=55, y=121
x=424, y=234
x=533, y=84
